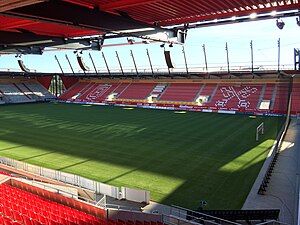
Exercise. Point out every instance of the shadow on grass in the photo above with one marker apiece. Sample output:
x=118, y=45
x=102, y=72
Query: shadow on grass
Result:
x=11, y=148
x=172, y=146
x=74, y=164
x=32, y=157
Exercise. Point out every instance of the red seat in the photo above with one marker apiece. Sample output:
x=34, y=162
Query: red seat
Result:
x=27, y=220
x=7, y=221
x=17, y=216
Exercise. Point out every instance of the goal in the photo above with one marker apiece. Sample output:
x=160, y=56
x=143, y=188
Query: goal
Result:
x=259, y=129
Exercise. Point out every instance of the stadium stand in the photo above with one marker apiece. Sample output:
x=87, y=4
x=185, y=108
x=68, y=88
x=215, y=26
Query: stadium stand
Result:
x=295, y=108
x=86, y=90
x=2, y=97
x=37, y=91
x=72, y=92
x=13, y=94
x=21, y=92
x=137, y=91
x=122, y=87
x=181, y=92
x=4, y=173
x=233, y=96
x=280, y=101
x=267, y=97
x=98, y=92
x=21, y=207
x=209, y=90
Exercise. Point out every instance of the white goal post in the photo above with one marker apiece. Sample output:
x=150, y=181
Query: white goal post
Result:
x=259, y=129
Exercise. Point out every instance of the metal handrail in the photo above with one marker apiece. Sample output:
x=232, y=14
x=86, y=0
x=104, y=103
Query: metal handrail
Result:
x=202, y=214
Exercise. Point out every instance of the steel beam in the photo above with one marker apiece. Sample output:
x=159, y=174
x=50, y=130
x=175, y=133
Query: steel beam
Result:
x=125, y=4
x=93, y=19
x=12, y=4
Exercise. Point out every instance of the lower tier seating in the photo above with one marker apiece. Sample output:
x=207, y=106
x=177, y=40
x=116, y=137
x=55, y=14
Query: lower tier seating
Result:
x=246, y=97
x=19, y=92
x=233, y=97
x=21, y=207
x=181, y=92
x=137, y=91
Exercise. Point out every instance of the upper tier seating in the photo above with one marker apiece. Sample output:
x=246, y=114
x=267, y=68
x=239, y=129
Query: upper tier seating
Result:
x=181, y=92
x=21, y=207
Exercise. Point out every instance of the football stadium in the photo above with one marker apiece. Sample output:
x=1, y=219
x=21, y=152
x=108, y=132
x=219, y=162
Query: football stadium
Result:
x=144, y=146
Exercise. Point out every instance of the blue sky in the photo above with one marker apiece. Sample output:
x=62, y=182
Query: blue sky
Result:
x=264, y=34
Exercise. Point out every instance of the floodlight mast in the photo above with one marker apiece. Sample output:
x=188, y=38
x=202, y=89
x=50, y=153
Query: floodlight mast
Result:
x=61, y=69
x=137, y=72
x=205, y=59
x=70, y=64
x=93, y=64
x=107, y=67
x=120, y=64
x=150, y=62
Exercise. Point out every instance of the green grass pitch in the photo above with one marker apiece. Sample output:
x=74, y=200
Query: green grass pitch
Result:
x=181, y=158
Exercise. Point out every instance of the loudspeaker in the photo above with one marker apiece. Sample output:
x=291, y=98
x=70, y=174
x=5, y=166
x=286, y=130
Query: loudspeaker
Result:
x=168, y=59
x=22, y=66
x=82, y=64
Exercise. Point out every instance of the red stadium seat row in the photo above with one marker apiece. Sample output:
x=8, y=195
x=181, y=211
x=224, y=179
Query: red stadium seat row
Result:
x=18, y=207
x=137, y=91
x=226, y=96
x=6, y=174
x=238, y=98
x=29, y=209
x=181, y=92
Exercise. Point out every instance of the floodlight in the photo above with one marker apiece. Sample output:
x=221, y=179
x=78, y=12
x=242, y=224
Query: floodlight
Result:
x=253, y=15
x=171, y=45
x=280, y=24
x=162, y=45
x=273, y=13
x=146, y=42
x=130, y=41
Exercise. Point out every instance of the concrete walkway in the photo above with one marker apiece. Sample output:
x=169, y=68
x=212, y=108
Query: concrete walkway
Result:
x=283, y=190
x=155, y=207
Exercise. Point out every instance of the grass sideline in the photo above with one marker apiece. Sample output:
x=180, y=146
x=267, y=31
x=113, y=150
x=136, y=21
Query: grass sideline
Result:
x=181, y=158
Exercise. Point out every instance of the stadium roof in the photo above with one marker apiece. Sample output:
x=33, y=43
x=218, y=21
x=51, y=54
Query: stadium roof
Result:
x=27, y=26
